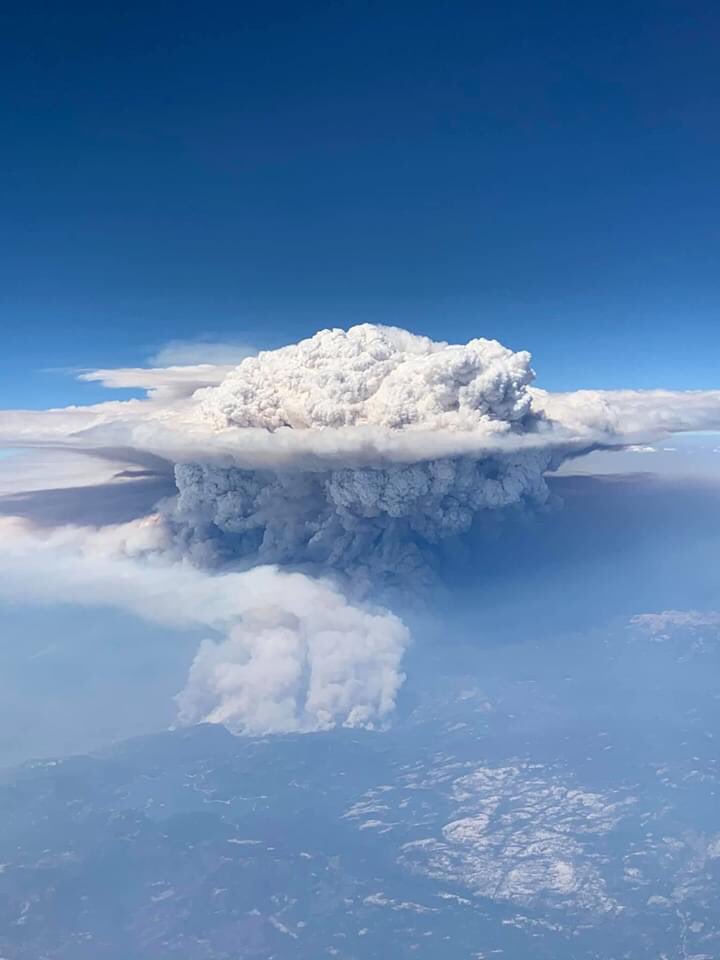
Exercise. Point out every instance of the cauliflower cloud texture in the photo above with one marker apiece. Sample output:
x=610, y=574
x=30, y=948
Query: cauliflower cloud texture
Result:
x=374, y=375
x=378, y=517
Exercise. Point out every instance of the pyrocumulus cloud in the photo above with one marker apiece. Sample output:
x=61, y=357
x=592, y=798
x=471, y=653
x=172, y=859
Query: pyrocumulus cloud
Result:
x=352, y=452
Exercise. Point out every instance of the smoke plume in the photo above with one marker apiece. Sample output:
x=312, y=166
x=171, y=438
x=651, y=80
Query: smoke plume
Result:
x=289, y=652
x=352, y=452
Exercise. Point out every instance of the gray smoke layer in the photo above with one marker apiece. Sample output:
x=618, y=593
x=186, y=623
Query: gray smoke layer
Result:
x=377, y=520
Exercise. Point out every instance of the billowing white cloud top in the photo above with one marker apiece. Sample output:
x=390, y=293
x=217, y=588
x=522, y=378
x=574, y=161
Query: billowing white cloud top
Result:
x=376, y=376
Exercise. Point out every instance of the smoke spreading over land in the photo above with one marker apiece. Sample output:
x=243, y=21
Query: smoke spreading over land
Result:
x=350, y=456
x=286, y=652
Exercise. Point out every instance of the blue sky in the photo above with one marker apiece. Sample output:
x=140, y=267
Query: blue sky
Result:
x=372, y=535
x=542, y=173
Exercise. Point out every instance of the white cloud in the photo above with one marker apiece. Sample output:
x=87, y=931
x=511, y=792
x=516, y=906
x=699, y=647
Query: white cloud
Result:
x=631, y=416
x=177, y=370
x=161, y=383
x=191, y=352
x=666, y=621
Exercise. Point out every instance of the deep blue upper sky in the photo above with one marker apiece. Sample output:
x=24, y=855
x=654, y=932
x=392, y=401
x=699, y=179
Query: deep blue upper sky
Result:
x=545, y=173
